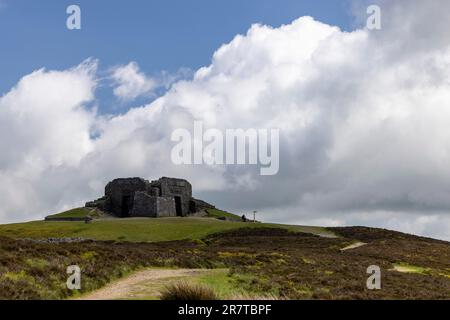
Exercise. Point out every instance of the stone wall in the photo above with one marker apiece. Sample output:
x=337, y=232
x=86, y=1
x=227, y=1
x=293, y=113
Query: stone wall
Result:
x=69, y=219
x=170, y=187
x=166, y=207
x=144, y=205
x=120, y=193
x=149, y=206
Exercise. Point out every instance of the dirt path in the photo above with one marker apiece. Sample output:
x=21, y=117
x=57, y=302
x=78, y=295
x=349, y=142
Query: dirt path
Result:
x=353, y=246
x=145, y=284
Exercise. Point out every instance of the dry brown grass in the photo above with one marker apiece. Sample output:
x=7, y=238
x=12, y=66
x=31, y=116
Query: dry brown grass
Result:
x=184, y=291
x=252, y=297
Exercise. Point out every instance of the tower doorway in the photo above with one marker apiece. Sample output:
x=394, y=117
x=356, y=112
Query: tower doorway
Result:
x=178, y=207
x=126, y=206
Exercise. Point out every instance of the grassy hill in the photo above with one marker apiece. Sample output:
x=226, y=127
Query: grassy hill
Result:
x=74, y=213
x=260, y=259
x=215, y=213
x=257, y=261
x=137, y=229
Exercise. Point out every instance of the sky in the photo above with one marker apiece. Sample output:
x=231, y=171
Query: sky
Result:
x=151, y=33
x=363, y=114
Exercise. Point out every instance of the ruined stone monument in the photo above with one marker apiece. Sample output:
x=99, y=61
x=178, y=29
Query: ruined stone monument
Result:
x=137, y=197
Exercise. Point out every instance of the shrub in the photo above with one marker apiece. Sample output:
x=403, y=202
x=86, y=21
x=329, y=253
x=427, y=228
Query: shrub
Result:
x=181, y=291
x=254, y=297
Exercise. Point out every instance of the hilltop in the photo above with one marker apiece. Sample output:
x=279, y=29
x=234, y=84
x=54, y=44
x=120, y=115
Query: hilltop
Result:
x=138, y=229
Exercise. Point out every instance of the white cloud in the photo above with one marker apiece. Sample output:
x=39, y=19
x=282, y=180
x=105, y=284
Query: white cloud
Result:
x=364, y=126
x=44, y=125
x=130, y=83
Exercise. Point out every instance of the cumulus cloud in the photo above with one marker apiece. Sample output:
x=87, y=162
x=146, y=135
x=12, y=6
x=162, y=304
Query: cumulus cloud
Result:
x=363, y=119
x=130, y=83
x=44, y=125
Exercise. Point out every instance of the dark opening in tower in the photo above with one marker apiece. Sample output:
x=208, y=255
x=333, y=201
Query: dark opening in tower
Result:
x=178, y=207
x=126, y=206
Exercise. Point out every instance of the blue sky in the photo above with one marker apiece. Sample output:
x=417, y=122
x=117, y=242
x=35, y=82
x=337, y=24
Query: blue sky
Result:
x=159, y=34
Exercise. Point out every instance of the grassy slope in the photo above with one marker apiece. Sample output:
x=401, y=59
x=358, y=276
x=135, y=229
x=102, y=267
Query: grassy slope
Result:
x=74, y=213
x=215, y=213
x=136, y=230
x=260, y=262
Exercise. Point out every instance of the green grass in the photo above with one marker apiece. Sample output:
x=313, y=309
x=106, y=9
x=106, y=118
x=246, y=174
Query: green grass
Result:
x=407, y=268
x=320, y=231
x=18, y=276
x=37, y=263
x=137, y=229
x=221, y=282
x=215, y=213
x=74, y=213
x=226, y=285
